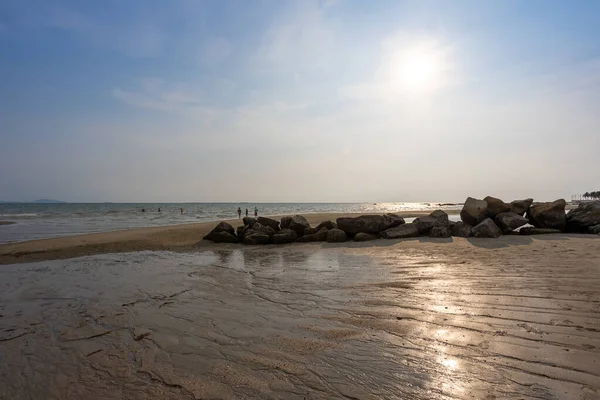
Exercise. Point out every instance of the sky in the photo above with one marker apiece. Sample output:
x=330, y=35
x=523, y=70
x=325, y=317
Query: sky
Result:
x=298, y=101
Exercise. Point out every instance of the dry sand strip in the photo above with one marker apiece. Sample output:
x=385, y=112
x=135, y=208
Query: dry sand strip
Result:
x=174, y=238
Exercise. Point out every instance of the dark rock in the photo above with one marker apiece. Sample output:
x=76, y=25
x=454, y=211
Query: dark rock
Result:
x=594, y=229
x=401, y=231
x=364, y=224
x=509, y=221
x=486, y=229
x=285, y=222
x=268, y=222
x=495, y=206
x=327, y=225
x=320, y=236
x=248, y=221
x=392, y=221
x=299, y=224
x=255, y=237
x=310, y=231
x=520, y=207
x=258, y=227
x=241, y=231
x=451, y=224
x=461, y=229
x=537, y=231
x=548, y=215
x=583, y=217
x=217, y=234
x=284, y=236
x=438, y=214
x=437, y=218
x=364, y=237
x=336, y=236
x=474, y=211
x=440, y=232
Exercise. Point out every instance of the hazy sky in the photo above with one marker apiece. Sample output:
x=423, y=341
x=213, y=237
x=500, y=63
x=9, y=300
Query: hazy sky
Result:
x=298, y=100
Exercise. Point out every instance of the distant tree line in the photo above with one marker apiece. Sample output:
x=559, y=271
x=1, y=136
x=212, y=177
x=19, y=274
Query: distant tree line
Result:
x=592, y=195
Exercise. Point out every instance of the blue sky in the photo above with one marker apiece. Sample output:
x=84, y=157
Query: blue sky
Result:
x=298, y=100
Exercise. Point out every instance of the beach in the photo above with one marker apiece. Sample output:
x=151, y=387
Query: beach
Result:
x=514, y=317
x=174, y=238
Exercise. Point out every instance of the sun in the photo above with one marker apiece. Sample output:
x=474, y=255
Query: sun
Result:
x=417, y=67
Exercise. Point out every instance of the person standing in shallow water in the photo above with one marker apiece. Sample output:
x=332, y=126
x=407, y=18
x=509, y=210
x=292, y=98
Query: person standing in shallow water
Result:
x=246, y=212
x=255, y=212
x=239, y=212
x=181, y=210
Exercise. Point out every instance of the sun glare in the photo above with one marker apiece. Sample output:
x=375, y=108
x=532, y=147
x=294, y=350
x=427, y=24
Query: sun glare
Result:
x=417, y=67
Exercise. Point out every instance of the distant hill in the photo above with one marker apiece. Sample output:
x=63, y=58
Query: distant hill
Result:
x=48, y=201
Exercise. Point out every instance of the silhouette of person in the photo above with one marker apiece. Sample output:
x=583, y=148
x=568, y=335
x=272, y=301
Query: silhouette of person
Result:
x=255, y=212
x=181, y=210
x=158, y=209
x=246, y=212
x=239, y=212
x=143, y=210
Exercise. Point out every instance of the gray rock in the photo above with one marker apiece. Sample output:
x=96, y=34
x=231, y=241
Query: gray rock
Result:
x=402, y=231
x=327, y=225
x=284, y=236
x=594, y=229
x=495, y=206
x=268, y=222
x=583, y=217
x=440, y=232
x=486, y=229
x=285, y=222
x=222, y=233
x=336, y=236
x=241, y=231
x=364, y=224
x=537, y=231
x=255, y=237
x=248, y=221
x=364, y=237
x=322, y=234
x=310, y=231
x=548, y=215
x=438, y=214
x=437, y=218
x=520, y=207
x=392, y=221
x=509, y=221
x=461, y=229
x=258, y=227
x=299, y=224
x=474, y=211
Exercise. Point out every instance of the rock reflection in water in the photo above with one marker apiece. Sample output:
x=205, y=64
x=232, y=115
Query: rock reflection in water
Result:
x=295, y=323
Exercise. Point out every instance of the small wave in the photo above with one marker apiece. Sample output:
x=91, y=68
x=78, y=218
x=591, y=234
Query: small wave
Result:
x=20, y=215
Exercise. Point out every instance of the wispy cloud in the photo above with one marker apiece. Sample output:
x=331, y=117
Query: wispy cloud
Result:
x=214, y=51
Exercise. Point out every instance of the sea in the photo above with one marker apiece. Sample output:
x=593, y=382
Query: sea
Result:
x=29, y=221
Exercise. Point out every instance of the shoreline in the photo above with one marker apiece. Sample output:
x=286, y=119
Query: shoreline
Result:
x=180, y=237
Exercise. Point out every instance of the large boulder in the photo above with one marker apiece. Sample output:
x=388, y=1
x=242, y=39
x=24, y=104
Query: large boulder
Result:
x=509, y=221
x=440, y=232
x=461, y=229
x=548, y=215
x=486, y=229
x=594, y=229
x=326, y=225
x=258, y=227
x=284, y=236
x=392, y=221
x=268, y=222
x=495, y=206
x=520, y=207
x=255, y=237
x=299, y=224
x=320, y=236
x=474, y=211
x=241, y=231
x=336, y=236
x=249, y=221
x=583, y=217
x=437, y=218
x=537, y=231
x=364, y=224
x=364, y=237
x=222, y=233
x=285, y=222
x=401, y=232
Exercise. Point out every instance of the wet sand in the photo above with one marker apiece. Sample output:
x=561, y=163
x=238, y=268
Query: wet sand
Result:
x=508, y=318
x=173, y=238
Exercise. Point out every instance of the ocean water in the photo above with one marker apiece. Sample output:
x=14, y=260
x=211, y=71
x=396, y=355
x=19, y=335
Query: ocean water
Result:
x=31, y=221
